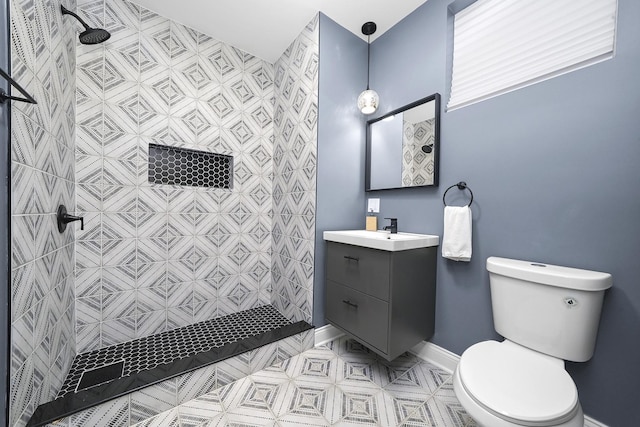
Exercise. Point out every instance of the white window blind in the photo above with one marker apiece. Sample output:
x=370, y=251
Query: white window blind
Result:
x=503, y=45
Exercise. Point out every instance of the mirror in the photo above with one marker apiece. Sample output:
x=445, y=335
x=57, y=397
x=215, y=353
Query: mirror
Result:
x=403, y=146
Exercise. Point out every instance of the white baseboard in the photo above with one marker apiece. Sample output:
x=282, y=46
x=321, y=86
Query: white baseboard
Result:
x=327, y=333
x=434, y=354
x=444, y=359
x=590, y=422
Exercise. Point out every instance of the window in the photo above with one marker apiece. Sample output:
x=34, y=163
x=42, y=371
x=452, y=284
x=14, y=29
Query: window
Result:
x=503, y=45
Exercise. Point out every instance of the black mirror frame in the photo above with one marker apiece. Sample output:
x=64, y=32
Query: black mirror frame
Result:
x=436, y=143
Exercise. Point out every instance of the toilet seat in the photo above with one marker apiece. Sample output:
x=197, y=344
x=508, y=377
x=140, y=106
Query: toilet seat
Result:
x=517, y=384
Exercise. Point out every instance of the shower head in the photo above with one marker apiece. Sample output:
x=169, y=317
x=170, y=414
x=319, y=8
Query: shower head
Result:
x=89, y=35
x=94, y=36
x=427, y=148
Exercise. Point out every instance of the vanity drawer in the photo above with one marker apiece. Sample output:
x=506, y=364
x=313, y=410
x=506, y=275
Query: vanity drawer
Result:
x=363, y=269
x=363, y=316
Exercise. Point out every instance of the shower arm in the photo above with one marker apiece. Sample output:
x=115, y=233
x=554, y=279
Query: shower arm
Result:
x=66, y=11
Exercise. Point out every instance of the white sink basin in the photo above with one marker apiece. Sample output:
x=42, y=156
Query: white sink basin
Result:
x=382, y=240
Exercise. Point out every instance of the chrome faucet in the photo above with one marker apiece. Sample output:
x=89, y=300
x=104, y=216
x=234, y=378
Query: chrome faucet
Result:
x=393, y=227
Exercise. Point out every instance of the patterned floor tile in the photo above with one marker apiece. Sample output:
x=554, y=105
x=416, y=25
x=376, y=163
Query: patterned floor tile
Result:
x=433, y=377
x=445, y=398
x=165, y=419
x=436, y=413
x=360, y=406
x=199, y=411
x=152, y=400
x=350, y=370
x=348, y=348
x=314, y=365
x=393, y=370
x=340, y=383
x=218, y=421
x=259, y=397
x=294, y=420
x=400, y=406
x=249, y=418
x=412, y=382
x=312, y=400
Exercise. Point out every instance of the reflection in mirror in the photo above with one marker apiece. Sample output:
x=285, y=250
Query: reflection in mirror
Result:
x=403, y=146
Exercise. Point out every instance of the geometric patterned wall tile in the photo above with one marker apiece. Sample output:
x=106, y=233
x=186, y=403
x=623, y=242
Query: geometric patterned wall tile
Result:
x=118, y=305
x=88, y=310
x=151, y=299
x=118, y=199
x=87, y=337
x=118, y=279
x=179, y=316
x=119, y=225
x=41, y=142
x=159, y=79
x=417, y=166
x=295, y=122
x=118, y=252
x=151, y=323
x=117, y=331
x=20, y=398
x=88, y=282
x=88, y=198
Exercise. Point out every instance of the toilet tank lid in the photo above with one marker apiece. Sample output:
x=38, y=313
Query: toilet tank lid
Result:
x=553, y=275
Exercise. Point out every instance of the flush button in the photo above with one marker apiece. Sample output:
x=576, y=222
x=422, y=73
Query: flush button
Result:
x=571, y=302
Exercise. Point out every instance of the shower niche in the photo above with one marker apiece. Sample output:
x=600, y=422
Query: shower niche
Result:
x=181, y=166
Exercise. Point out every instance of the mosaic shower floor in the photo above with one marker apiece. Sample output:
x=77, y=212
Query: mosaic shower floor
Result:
x=102, y=375
x=160, y=349
x=341, y=383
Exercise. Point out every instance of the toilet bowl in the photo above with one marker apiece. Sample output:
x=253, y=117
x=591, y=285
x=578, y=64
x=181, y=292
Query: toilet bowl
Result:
x=547, y=314
x=502, y=384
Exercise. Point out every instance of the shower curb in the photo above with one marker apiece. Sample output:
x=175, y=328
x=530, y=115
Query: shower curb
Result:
x=137, y=401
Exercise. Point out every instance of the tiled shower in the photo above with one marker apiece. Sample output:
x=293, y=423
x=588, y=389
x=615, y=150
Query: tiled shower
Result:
x=417, y=165
x=151, y=257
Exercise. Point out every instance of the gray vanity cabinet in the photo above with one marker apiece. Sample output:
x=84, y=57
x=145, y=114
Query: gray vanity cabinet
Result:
x=383, y=299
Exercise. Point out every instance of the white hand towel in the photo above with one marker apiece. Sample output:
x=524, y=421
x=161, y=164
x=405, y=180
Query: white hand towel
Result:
x=456, y=242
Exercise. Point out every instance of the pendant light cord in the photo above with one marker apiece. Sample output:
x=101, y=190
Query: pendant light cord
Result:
x=368, y=59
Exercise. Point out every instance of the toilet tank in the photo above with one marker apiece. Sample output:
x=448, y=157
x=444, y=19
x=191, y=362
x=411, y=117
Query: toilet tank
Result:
x=551, y=309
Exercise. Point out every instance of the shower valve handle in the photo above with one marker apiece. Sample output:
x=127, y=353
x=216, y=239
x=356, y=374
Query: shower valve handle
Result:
x=64, y=218
x=70, y=218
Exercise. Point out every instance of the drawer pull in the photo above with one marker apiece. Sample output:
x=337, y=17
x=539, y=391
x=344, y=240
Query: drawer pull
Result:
x=350, y=303
x=353, y=258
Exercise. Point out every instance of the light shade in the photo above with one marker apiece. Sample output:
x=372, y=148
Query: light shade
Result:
x=368, y=101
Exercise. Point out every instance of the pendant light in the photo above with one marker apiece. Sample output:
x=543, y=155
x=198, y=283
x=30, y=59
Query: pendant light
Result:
x=368, y=99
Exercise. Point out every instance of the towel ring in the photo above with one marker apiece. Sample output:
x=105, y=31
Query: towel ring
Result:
x=461, y=186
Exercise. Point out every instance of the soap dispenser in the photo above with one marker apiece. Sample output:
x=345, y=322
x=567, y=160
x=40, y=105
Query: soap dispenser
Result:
x=371, y=223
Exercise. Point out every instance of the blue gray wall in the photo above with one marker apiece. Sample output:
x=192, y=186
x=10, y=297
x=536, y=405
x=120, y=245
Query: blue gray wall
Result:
x=554, y=171
x=341, y=136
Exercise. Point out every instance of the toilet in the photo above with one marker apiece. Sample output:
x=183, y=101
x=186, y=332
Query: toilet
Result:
x=547, y=314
